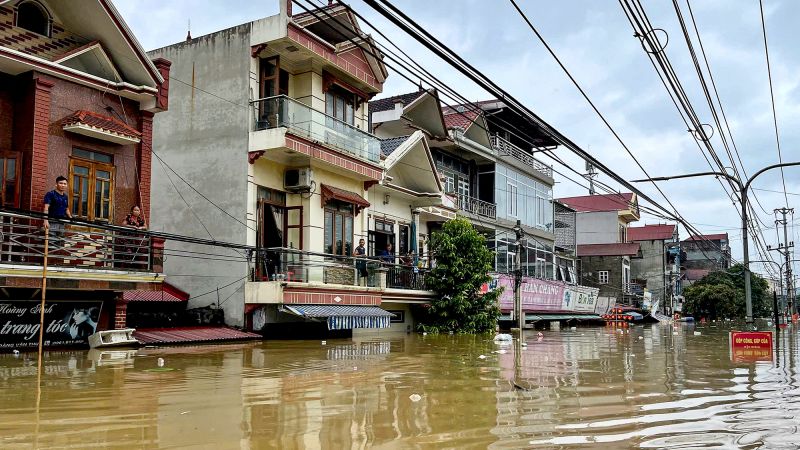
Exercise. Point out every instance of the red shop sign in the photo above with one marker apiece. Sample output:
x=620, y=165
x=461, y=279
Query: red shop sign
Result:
x=748, y=346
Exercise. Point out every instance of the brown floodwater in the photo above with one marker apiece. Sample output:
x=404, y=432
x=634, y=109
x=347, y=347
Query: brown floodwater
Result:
x=651, y=387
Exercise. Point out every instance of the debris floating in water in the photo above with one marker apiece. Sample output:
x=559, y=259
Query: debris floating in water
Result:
x=415, y=397
x=160, y=362
x=697, y=333
x=503, y=337
x=540, y=334
x=573, y=328
x=482, y=357
x=324, y=342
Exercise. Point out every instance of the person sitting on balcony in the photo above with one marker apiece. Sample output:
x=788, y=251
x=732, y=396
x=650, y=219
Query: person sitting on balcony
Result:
x=361, y=263
x=56, y=206
x=387, y=255
x=132, y=244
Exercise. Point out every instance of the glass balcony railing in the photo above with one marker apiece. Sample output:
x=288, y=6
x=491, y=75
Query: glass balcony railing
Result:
x=306, y=122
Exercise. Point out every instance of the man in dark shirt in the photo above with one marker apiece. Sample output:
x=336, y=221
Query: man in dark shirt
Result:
x=56, y=206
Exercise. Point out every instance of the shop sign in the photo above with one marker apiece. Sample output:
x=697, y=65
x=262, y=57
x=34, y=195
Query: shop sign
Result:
x=748, y=346
x=65, y=323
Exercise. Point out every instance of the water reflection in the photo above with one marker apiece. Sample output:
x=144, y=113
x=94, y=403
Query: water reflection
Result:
x=649, y=387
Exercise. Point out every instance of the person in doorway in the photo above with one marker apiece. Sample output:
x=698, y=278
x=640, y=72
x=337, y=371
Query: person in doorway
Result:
x=360, y=252
x=387, y=254
x=133, y=245
x=56, y=206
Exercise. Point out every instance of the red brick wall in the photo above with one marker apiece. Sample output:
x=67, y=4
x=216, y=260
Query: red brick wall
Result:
x=120, y=314
x=6, y=112
x=41, y=136
x=145, y=161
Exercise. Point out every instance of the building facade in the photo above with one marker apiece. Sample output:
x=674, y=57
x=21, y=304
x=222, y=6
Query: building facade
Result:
x=658, y=264
x=608, y=267
x=709, y=252
x=77, y=99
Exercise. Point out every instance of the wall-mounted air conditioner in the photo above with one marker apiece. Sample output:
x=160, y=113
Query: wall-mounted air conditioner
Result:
x=298, y=180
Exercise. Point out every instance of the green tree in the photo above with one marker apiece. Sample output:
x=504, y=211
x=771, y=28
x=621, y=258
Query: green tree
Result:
x=463, y=264
x=720, y=295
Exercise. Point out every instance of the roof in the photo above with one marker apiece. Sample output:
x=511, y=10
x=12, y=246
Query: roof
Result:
x=337, y=311
x=659, y=232
x=710, y=237
x=390, y=145
x=461, y=118
x=695, y=274
x=104, y=123
x=168, y=293
x=181, y=335
x=333, y=193
x=620, y=249
x=386, y=104
x=596, y=203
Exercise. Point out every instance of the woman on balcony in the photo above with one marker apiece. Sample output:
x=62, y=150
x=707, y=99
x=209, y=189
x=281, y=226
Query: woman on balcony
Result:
x=134, y=246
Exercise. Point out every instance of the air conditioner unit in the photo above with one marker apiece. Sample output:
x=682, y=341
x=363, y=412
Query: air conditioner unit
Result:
x=298, y=180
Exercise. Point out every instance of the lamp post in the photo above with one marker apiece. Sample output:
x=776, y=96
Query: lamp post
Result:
x=743, y=195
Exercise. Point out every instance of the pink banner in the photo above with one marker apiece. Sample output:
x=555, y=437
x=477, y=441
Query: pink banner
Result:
x=537, y=295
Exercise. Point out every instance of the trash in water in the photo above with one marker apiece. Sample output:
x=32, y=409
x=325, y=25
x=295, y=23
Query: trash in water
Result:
x=697, y=333
x=540, y=334
x=482, y=357
x=324, y=342
x=641, y=337
x=524, y=344
x=185, y=412
x=502, y=352
x=415, y=397
x=503, y=337
x=160, y=362
x=573, y=328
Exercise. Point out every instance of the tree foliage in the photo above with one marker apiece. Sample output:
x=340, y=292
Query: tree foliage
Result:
x=720, y=295
x=463, y=264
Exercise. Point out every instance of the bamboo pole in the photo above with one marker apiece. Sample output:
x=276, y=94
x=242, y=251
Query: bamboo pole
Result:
x=41, y=332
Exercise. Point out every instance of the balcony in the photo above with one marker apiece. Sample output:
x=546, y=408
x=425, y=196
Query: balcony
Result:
x=292, y=265
x=80, y=250
x=476, y=206
x=306, y=122
x=503, y=147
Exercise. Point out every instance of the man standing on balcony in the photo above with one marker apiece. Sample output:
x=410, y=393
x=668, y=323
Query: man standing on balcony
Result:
x=56, y=206
x=360, y=253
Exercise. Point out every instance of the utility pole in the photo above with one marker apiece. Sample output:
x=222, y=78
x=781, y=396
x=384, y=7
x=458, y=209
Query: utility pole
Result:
x=591, y=174
x=518, y=313
x=785, y=249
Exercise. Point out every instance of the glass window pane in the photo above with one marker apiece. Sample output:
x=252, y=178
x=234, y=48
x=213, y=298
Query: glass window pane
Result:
x=84, y=196
x=348, y=235
x=10, y=192
x=11, y=169
x=80, y=170
x=349, y=114
x=338, y=233
x=328, y=232
x=339, y=108
x=104, y=174
x=329, y=104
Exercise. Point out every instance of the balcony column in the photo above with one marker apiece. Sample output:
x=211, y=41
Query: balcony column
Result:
x=120, y=313
x=157, y=254
x=40, y=142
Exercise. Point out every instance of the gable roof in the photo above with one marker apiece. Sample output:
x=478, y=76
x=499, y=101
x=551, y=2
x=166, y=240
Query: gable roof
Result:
x=390, y=145
x=385, y=104
x=710, y=237
x=599, y=203
x=460, y=117
x=660, y=232
x=410, y=166
x=619, y=249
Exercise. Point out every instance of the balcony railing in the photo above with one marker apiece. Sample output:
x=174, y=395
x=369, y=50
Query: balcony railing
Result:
x=633, y=288
x=505, y=148
x=476, y=206
x=80, y=247
x=287, y=264
x=306, y=122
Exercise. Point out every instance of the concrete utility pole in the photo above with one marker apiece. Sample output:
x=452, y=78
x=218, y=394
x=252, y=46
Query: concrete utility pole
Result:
x=519, y=315
x=743, y=187
x=785, y=250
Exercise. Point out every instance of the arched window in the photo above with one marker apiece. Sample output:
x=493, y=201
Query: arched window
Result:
x=32, y=16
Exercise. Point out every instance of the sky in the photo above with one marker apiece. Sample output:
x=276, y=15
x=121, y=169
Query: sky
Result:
x=595, y=42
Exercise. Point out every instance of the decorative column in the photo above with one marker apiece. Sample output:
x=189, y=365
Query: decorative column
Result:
x=40, y=180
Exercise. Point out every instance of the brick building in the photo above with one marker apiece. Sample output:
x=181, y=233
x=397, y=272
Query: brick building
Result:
x=77, y=99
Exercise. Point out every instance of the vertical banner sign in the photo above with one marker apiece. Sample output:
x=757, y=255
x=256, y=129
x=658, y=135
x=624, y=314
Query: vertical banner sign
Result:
x=748, y=346
x=65, y=323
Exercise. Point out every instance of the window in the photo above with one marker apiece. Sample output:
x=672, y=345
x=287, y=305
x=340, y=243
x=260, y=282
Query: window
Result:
x=512, y=196
x=449, y=183
x=32, y=16
x=340, y=104
x=382, y=234
x=9, y=178
x=338, y=228
x=463, y=187
x=602, y=276
x=622, y=234
x=92, y=179
x=403, y=244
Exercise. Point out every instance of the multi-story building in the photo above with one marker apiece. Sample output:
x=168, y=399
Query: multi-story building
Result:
x=658, y=262
x=565, y=219
x=709, y=252
x=271, y=124
x=77, y=99
x=608, y=267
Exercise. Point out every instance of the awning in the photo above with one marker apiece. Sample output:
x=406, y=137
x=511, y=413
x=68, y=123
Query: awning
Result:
x=333, y=193
x=102, y=127
x=540, y=317
x=343, y=317
x=191, y=334
x=167, y=293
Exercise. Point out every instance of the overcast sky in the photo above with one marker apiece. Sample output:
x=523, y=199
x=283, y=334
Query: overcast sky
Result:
x=596, y=43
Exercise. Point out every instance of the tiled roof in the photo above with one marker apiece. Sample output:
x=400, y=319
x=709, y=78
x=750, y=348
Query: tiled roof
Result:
x=105, y=123
x=22, y=40
x=623, y=249
x=385, y=104
x=604, y=202
x=168, y=293
x=388, y=146
x=182, y=335
x=651, y=232
x=695, y=274
x=332, y=192
x=710, y=237
x=454, y=118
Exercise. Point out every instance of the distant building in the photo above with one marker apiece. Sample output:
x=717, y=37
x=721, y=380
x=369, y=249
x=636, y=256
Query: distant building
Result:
x=608, y=267
x=603, y=219
x=708, y=252
x=656, y=263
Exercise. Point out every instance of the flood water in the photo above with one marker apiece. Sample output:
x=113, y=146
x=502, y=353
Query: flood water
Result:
x=651, y=387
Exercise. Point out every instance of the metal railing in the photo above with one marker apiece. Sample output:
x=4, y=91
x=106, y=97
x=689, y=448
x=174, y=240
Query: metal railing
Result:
x=292, y=265
x=22, y=243
x=304, y=121
x=476, y=206
x=505, y=148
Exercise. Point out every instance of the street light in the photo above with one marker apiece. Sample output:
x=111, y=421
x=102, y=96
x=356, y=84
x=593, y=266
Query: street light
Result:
x=743, y=195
